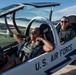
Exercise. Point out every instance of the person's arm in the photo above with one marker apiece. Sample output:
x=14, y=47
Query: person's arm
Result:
x=19, y=37
x=47, y=45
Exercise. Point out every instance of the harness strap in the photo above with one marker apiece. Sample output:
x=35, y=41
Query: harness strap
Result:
x=65, y=35
x=22, y=44
x=34, y=52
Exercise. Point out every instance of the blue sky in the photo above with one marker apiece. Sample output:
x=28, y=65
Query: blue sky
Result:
x=67, y=7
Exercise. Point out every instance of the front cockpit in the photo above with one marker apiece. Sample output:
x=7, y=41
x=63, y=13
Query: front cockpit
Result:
x=15, y=19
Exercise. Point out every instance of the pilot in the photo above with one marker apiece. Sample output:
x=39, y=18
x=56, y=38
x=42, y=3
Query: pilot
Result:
x=35, y=36
x=66, y=32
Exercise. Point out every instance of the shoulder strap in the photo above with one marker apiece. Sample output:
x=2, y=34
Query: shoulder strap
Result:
x=35, y=48
x=22, y=44
x=70, y=34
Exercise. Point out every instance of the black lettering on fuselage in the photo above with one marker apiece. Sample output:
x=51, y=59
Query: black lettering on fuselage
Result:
x=54, y=57
x=44, y=62
x=37, y=66
x=65, y=50
x=41, y=64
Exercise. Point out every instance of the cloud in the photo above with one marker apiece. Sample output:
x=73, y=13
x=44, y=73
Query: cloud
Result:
x=65, y=12
x=54, y=18
x=68, y=10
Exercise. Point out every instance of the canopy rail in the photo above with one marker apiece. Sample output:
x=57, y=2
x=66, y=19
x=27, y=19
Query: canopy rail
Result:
x=12, y=9
x=51, y=12
x=14, y=22
x=5, y=18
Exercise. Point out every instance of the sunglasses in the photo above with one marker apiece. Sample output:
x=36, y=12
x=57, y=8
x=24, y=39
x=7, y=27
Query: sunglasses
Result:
x=33, y=32
x=64, y=21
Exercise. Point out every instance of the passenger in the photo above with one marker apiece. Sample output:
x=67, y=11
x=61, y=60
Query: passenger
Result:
x=66, y=32
x=35, y=35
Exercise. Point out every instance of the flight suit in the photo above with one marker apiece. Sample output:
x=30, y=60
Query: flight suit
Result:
x=66, y=35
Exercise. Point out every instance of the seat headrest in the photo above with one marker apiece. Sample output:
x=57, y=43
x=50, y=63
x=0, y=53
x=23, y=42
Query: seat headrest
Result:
x=44, y=28
x=72, y=19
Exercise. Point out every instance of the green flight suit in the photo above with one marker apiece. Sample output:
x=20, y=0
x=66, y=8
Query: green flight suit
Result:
x=66, y=35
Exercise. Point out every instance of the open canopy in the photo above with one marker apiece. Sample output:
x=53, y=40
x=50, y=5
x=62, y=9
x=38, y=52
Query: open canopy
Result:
x=16, y=17
x=15, y=7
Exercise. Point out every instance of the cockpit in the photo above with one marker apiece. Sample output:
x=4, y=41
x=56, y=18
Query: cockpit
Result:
x=21, y=19
x=15, y=19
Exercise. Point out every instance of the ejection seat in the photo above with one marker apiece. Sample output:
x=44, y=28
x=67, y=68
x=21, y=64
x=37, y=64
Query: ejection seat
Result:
x=72, y=21
x=47, y=33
